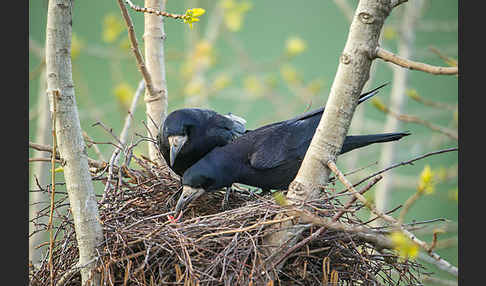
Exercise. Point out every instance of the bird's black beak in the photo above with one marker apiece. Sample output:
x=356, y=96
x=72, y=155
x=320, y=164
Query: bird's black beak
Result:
x=176, y=143
x=188, y=195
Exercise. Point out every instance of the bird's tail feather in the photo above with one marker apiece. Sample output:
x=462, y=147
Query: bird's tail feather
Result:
x=358, y=141
x=367, y=95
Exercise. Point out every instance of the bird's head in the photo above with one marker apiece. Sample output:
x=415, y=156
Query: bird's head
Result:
x=196, y=181
x=177, y=129
x=188, y=195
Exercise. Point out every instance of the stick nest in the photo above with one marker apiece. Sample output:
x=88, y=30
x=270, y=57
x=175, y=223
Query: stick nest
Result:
x=209, y=246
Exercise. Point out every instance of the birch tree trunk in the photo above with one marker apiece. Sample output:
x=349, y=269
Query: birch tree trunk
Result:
x=156, y=105
x=352, y=74
x=70, y=142
x=40, y=170
x=399, y=85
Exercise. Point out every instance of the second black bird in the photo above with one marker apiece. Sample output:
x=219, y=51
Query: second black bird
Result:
x=268, y=157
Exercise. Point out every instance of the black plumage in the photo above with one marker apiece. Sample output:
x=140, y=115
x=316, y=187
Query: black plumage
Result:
x=190, y=133
x=268, y=157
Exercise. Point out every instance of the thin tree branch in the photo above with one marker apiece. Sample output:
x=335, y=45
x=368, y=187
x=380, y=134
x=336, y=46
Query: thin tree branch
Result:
x=390, y=57
x=445, y=264
x=136, y=51
x=414, y=119
x=450, y=61
x=153, y=11
x=43, y=160
x=406, y=206
x=123, y=135
x=69, y=274
x=431, y=103
x=409, y=162
x=129, y=117
x=89, y=140
x=46, y=148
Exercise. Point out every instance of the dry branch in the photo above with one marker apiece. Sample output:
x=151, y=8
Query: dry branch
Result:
x=438, y=260
x=157, y=12
x=47, y=148
x=390, y=57
x=136, y=50
x=414, y=119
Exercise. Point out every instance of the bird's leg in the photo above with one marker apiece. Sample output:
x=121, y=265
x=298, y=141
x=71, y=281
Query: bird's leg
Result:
x=225, y=203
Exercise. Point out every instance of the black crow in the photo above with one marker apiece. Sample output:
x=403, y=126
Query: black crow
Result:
x=268, y=157
x=190, y=133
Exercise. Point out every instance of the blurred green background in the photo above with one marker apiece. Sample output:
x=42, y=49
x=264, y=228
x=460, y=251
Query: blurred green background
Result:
x=251, y=74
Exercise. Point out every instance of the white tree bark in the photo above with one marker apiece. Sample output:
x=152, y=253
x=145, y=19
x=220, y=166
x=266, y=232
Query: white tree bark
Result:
x=412, y=12
x=156, y=106
x=39, y=170
x=70, y=142
x=352, y=74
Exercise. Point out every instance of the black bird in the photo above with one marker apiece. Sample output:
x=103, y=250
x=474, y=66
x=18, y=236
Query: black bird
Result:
x=190, y=133
x=268, y=157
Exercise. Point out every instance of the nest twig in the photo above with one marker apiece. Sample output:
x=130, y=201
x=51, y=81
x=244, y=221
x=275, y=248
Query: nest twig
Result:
x=210, y=247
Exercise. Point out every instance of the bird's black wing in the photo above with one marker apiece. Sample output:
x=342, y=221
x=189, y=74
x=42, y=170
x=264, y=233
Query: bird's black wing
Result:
x=288, y=140
x=283, y=143
x=225, y=127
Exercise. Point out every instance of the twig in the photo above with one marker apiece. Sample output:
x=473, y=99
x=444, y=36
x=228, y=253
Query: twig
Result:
x=43, y=160
x=431, y=103
x=68, y=274
x=123, y=135
x=321, y=230
x=95, y=146
x=390, y=57
x=363, y=232
x=433, y=244
x=136, y=51
x=133, y=106
x=406, y=206
x=109, y=130
x=414, y=119
x=47, y=148
x=153, y=11
x=246, y=228
x=409, y=162
x=448, y=60
x=445, y=264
